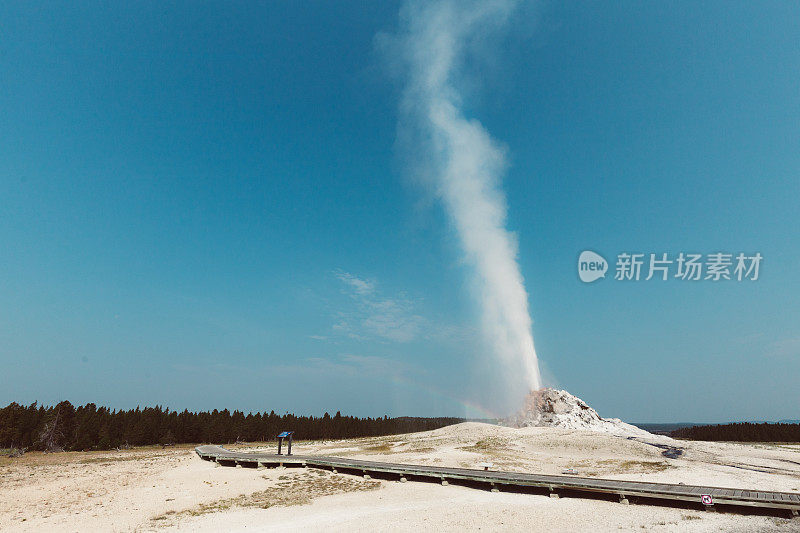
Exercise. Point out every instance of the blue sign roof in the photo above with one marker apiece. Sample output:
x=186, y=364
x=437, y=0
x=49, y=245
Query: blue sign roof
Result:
x=285, y=434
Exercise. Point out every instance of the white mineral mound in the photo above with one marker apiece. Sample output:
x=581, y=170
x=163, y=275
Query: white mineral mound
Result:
x=558, y=408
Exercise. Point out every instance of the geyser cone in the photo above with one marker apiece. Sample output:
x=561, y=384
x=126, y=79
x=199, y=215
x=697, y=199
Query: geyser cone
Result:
x=558, y=408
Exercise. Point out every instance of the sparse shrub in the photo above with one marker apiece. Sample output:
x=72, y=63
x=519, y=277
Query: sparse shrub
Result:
x=14, y=452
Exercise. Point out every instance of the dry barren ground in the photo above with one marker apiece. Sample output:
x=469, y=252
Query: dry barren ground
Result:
x=154, y=489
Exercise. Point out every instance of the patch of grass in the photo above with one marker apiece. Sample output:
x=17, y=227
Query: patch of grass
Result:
x=690, y=517
x=111, y=459
x=421, y=449
x=646, y=467
x=298, y=491
x=37, y=458
x=371, y=441
x=491, y=445
x=384, y=447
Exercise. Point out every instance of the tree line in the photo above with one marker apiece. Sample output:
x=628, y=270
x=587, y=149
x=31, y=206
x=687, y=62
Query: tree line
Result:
x=88, y=427
x=741, y=432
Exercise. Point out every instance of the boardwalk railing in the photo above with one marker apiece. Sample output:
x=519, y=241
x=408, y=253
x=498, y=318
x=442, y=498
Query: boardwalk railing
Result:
x=709, y=498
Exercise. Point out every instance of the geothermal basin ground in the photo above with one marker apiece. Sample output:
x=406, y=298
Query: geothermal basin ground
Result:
x=154, y=489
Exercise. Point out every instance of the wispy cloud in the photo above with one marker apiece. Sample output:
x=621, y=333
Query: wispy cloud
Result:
x=343, y=365
x=376, y=365
x=388, y=318
x=351, y=365
x=360, y=286
x=770, y=346
x=789, y=347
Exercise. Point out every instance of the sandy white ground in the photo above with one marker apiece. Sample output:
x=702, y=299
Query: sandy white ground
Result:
x=154, y=489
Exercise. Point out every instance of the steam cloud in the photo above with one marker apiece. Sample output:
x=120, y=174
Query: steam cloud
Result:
x=464, y=165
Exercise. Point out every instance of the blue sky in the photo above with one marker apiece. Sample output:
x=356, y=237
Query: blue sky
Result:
x=204, y=206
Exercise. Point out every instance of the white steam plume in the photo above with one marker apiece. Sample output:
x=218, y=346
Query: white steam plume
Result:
x=465, y=166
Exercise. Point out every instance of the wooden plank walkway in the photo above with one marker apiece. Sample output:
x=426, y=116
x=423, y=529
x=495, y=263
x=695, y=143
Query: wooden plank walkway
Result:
x=788, y=502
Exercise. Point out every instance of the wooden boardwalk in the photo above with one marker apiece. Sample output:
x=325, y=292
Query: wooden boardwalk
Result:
x=784, y=502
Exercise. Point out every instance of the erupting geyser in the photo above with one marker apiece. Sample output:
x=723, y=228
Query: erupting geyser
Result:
x=464, y=165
